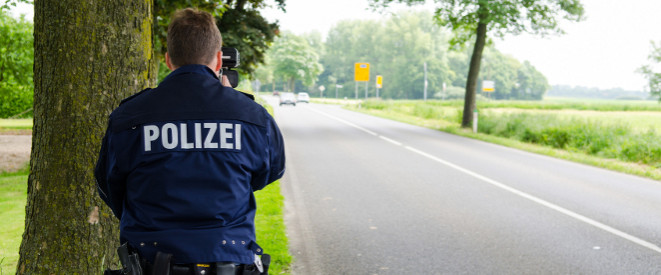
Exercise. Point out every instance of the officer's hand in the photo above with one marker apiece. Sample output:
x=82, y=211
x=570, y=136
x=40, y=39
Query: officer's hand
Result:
x=225, y=81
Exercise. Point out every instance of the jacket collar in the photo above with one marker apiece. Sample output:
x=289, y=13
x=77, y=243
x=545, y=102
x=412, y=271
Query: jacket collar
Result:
x=192, y=69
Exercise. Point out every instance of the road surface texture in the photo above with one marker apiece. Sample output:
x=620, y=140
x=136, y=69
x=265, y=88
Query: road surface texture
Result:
x=366, y=195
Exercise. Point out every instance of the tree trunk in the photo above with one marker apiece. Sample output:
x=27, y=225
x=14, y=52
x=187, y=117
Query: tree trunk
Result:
x=88, y=56
x=474, y=71
x=292, y=84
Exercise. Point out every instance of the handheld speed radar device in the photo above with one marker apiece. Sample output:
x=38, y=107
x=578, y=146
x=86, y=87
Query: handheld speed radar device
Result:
x=230, y=60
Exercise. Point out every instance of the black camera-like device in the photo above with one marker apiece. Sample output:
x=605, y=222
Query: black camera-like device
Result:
x=230, y=60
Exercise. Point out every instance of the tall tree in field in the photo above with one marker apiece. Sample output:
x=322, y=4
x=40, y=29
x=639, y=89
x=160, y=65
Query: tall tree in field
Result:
x=89, y=55
x=474, y=19
x=652, y=71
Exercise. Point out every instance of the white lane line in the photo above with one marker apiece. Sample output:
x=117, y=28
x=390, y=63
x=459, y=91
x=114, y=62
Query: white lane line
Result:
x=391, y=140
x=343, y=121
x=542, y=202
x=522, y=194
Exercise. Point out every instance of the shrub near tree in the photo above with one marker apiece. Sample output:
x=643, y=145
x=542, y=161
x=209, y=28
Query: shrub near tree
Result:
x=15, y=66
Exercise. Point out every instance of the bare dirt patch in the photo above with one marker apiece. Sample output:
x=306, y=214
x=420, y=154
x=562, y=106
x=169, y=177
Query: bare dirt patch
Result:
x=14, y=150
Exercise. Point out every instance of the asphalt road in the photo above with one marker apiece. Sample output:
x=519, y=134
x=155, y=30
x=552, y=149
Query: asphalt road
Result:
x=365, y=195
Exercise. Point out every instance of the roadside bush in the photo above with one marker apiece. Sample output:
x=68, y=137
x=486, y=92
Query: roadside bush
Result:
x=16, y=59
x=608, y=141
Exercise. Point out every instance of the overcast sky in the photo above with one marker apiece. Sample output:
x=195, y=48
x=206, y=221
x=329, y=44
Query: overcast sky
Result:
x=602, y=51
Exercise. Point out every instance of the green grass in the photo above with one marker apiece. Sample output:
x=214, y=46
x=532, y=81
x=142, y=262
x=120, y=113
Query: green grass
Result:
x=270, y=227
x=13, y=197
x=626, y=141
x=21, y=123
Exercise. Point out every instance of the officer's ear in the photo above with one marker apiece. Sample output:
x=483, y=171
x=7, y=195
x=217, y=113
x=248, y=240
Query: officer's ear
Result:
x=219, y=58
x=168, y=62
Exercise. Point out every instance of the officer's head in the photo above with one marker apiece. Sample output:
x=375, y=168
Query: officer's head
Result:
x=193, y=38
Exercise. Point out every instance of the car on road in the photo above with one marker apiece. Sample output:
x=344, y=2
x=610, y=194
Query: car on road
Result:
x=287, y=98
x=303, y=97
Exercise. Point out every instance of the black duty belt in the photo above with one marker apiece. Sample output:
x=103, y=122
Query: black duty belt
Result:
x=133, y=264
x=162, y=266
x=204, y=269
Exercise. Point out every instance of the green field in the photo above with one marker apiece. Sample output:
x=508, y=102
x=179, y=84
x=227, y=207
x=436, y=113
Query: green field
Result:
x=618, y=135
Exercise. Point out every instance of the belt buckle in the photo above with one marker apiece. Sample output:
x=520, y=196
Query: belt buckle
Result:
x=202, y=269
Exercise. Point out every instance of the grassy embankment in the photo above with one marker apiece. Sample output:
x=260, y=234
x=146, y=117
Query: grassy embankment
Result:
x=13, y=197
x=618, y=135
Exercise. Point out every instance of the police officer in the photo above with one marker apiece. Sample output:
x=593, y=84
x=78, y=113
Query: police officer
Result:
x=180, y=162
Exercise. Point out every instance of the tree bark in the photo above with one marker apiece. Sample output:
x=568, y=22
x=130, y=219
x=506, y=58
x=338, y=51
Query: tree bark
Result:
x=474, y=71
x=89, y=55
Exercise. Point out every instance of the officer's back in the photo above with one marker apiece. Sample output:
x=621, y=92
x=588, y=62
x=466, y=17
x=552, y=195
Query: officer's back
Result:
x=179, y=162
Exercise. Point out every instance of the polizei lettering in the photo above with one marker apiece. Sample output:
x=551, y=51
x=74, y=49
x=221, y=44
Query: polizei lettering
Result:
x=192, y=136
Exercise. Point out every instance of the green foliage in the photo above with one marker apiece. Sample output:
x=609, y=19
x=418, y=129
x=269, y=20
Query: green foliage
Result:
x=475, y=19
x=240, y=22
x=596, y=93
x=591, y=137
x=16, y=61
x=294, y=58
x=652, y=71
x=501, y=16
x=396, y=48
x=7, y=4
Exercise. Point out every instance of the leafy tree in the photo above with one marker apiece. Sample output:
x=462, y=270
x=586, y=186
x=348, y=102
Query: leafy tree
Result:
x=294, y=58
x=348, y=42
x=16, y=52
x=88, y=56
x=653, y=76
x=407, y=42
x=240, y=22
x=531, y=84
x=502, y=69
x=475, y=18
x=396, y=48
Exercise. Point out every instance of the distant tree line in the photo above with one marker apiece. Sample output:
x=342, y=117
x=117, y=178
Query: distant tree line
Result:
x=593, y=92
x=397, y=48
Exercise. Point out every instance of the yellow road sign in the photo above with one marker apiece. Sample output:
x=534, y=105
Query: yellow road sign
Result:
x=362, y=72
x=379, y=81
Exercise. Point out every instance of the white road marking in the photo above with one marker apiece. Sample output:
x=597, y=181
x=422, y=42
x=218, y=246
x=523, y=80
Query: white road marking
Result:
x=391, y=140
x=343, y=121
x=522, y=194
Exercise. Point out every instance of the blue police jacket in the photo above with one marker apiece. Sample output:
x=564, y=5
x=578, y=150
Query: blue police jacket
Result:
x=179, y=164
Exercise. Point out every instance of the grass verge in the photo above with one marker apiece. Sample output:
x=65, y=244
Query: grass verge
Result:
x=15, y=126
x=450, y=125
x=270, y=227
x=13, y=197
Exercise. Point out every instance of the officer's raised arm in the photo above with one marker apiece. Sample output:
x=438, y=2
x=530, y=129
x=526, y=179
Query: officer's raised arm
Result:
x=276, y=158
